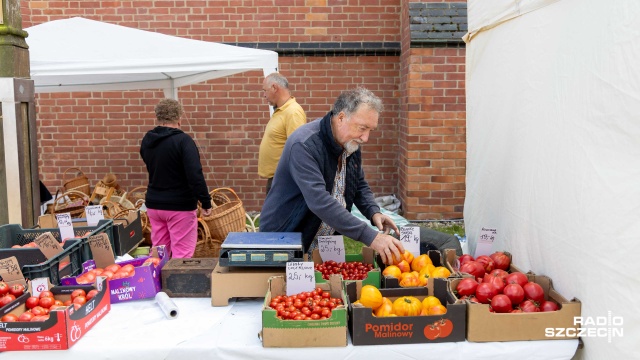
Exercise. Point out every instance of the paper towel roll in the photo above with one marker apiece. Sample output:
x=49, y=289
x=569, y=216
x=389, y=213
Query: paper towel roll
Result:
x=167, y=305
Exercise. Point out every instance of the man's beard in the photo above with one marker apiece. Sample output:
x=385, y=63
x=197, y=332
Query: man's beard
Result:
x=351, y=146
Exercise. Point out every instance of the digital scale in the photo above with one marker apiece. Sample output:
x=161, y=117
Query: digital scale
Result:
x=273, y=249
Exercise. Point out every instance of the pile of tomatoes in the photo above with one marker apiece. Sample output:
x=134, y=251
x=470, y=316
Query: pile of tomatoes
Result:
x=9, y=293
x=113, y=271
x=353, y=270
x=312, y=305
x=39, y=307
x=506, y=293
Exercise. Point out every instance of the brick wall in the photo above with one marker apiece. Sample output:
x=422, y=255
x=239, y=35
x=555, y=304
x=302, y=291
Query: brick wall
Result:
x=100, y=132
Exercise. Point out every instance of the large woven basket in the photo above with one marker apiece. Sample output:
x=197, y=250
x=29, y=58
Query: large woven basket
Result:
x=206, y=247
x=79, y=181
x=226, y=218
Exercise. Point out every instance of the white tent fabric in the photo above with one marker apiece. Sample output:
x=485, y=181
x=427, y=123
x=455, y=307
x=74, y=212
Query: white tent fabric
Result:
x=553, y=151
x=79, y=54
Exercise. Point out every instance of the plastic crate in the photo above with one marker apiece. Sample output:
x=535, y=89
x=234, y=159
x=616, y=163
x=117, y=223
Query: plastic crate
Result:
x=51, y=268
x=14, y=234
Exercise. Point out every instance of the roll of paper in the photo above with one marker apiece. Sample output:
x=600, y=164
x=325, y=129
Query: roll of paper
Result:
x=167, y=305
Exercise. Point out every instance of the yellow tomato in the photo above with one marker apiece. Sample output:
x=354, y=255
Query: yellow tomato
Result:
x=370, y=296
x=385, y=309
x=430, y=301
x=393, y=271
x=407, y=306
x=440, y=272
x=420, y=262
x=437, y=310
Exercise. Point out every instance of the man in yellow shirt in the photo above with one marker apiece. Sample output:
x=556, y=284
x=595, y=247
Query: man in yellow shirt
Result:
x=287, y=116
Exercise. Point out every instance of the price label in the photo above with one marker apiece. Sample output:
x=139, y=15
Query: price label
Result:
x=331, y=248
x=486, y=238
x=94, y=214
x=300, y=277
x=410, y=238
x=65, y=225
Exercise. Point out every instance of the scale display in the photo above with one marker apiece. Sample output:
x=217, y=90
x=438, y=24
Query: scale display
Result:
x=261, y=249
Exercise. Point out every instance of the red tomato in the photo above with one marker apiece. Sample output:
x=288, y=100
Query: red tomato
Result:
x=486, y=262
x=152, y=260
x=501, y=260
x=529, y=306
x=548, y=305
x=46, y=293
x=16, y=290
x=57, y=302
x=80, y=299
x=128, y=268
x=40, y=318
x=533, y=291
x=499, y=273
x=32, y=302
x=46, y=302
x=485, y=292
x=9, y=318
x=67, y=303
x=496, y=281
x=464, y=258
x=25, y=316
x=466, y=286
x=78, y=292
x=6, y=299
x=514, y=292
x=501, y=303
x=108, y=274
x=4, y=288
x=473, y=268
x=38, y=310
x=517, y=278
x=113, y=268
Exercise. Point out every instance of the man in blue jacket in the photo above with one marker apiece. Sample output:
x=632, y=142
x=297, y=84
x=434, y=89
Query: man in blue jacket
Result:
x=320, y=177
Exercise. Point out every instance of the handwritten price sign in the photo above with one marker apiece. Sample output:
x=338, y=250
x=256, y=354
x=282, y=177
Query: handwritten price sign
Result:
x=94, y=214
x=331, y=248
x=300, y=277
x=485, y=241
x=410, y=238
x=65, y=225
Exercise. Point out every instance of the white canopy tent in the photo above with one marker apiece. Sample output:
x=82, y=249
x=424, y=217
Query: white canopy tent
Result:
x=78, y=54
x=553, y=151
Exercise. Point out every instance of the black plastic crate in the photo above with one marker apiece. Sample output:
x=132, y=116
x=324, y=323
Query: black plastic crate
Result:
x=13, y=234
x=126, y=235
x=51, y=268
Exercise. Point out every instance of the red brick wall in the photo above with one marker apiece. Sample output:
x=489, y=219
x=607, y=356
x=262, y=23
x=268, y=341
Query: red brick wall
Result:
x=417, y=153
x=432, y=147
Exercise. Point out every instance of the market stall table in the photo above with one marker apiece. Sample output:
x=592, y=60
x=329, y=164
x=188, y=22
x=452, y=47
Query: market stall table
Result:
x=139, y=330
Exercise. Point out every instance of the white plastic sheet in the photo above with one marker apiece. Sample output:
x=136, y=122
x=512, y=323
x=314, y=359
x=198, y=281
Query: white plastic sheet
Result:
x=553, y=150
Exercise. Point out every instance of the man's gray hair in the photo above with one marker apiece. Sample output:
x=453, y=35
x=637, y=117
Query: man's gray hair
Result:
x=277, y=78
x=349, y=101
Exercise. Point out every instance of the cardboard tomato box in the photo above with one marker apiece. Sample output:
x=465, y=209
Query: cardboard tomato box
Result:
x=145, y=282
x=389, y=282
x=64, y=327
x=483, y=325
x=367, y=329
x=304, y=333
x=367, y=256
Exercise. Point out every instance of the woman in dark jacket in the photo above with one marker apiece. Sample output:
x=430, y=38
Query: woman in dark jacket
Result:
x=176, y=182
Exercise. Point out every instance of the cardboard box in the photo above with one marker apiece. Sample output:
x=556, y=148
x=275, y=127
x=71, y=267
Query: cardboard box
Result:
x=230, y=282
x=483, y=325
x=188, y=277
x=144, y=283
x=389, y=282
x=367, y=329
x=304, y=333
x=367, y=256
x=64, y=327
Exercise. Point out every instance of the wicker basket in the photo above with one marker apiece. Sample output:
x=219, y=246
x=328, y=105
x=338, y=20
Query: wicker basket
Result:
x=111, y=180
x=226, y=218
x=137, y=195
x=206, y=247
x=78, y=183
x=101, y=192
x=72, y=202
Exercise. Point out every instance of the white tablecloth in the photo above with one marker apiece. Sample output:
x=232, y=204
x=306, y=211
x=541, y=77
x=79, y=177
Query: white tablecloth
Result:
x=139, y=330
